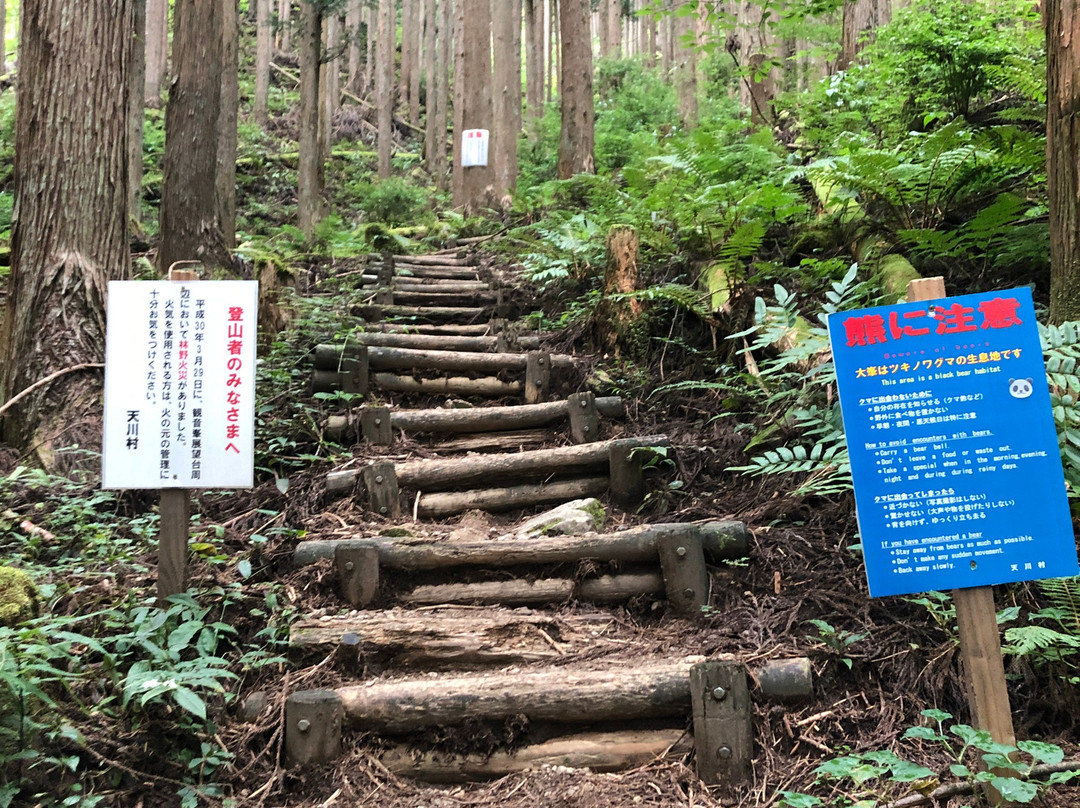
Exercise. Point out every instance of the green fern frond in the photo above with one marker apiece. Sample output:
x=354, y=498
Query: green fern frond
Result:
x=1025, y=640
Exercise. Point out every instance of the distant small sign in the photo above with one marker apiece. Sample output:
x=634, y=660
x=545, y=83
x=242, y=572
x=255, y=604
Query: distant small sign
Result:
x=474, y=147
x=954, y=453
x=180, y=384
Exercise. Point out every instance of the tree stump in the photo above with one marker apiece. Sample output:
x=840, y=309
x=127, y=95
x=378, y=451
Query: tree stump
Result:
x=620, y=326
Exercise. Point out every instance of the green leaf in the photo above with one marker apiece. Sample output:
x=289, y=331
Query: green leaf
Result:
x=243, y=567
x=1043, y=752
x=904, y=771
x=190, y=701
x=924, y=734
x=1013, y=790
x=793, y=799
x=960, y=770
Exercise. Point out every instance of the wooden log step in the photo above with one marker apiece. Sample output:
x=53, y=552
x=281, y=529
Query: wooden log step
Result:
x=332, y=357
x=427, y=314
x=439, y=342
x=427, y=474
x=650, y=688
x=457, y=273
x=519, y=592
x=447, y=329
x=438, y=297
x=429, y=259
x=457, y=637
x=720, y=540
x=441, y=505
x=406, y=284
x=596, y=751
x=493, y=441
x=487, y=386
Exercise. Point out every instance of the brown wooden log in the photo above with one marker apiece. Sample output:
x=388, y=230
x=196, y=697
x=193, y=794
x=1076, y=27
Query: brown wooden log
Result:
x=439, y=297
x=420, y=359
x=457, y=637
x=441, y=342
x=603, y=589
x=428, y=474
x=312, y=726
x=437, y=506
x=427, y=314
x=450, y=329
x=647, y=689
x=488, y=386
x=494, y=441
x=436, y=260
x=721, y=540
x=596, y=751
x=426, y=271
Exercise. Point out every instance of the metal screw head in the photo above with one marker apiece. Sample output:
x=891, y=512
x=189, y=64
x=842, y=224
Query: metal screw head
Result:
x=540, y=361
x=585, y=429
x=719, y=693
x=378, y=478
x=584, y=403
x=349, y=566
x=680, y=552
x=688, y=592
x=382, y=509
x=378, y=422
x=723, y=753
x=303, y=725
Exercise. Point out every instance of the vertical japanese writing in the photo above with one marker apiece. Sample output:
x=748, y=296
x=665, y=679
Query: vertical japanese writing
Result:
x=152, y=349
x=234, y=346
x=182, y=367
x=167, y=417
x=132, y=429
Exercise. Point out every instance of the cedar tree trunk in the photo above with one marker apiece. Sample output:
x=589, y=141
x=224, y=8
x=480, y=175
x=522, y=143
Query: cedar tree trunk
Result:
x=1062, y=145
x=70, y=234
x=473, y=186
x=575, y=86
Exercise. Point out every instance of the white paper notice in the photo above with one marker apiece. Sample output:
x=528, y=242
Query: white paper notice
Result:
x=180, y=384
x=474, y=147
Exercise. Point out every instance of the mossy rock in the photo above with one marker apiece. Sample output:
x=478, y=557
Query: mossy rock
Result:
x=19, y=599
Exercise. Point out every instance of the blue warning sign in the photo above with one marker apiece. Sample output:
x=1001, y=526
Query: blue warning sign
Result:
x=954, y=453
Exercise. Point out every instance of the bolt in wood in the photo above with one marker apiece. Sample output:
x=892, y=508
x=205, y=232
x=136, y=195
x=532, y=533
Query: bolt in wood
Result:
x=356, y=378
x=537, y=376
x=386, y=270
x=686, y=579
x=723, y=733
x=358, y=572
x=375, y=425
x=584, y=417
x=313, y=726
x=382, y=489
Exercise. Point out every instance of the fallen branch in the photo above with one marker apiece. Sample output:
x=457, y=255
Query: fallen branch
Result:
x=950, y=790
x=42, y=382
x=27, y=526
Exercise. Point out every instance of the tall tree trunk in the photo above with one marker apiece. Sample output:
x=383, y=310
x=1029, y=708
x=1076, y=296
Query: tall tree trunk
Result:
x=598, y=24
x=506, y=96
x=757, y=88
x=473, y=186
x=667, y=41
x=577, y=134
x=414, y=75
x=137, y=110
x=157, y=50
x=70, y=231
x=384, y=79
x=442, y=90
x=190, y=229
x=861, y=18
x=353, y=16
x=614, y=27
x=407, y=32
x=686, y=66
x=228, y=113
x=554, y=48
x=370, y=36
x=3, y=37
x=534, y=58
x=263, y=43
x=329, y=83
x=311, y=167
x=430, y=48
x=284, y=25
x=650, y=45
x=1062, y=145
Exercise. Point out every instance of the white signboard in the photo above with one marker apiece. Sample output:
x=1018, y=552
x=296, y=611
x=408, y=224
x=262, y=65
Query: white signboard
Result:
x=180, y=384
x=474, y=147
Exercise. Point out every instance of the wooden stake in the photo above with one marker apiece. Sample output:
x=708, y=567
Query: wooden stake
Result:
x=313, y=726
x=723, y=734
x=375, y=425
x=627, y=475
x=357, y=567
x=976, y=617
x=537, y=376
x=584, y=418
x=382, y=488
x=686, y=579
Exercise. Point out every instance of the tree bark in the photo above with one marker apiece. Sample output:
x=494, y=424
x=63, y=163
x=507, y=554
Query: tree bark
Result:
x=1062, y=145
x=506, y=99
x=384, y=78
x=443, y=68
x=263, y=36
x=329, y=83
x=3, y=37
x=157, y=50
x=228, y=113
x=757, y=88
x=417, y=41
x=190, y=227
x=667, y=41
x=473, y=186
x=534, y=58
x=618, y=326
x=70, y=231
x=613, y=20
x=353, y=17
x=576, y=136
x=685, y=31
x=430, y=52
x=311, y=168
x=860, y=19
x=370, y=26
x=284, y=25
x=405, y=59
x=137, y=113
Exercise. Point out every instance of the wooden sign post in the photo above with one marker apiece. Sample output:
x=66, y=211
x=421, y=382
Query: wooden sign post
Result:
x=976, y=617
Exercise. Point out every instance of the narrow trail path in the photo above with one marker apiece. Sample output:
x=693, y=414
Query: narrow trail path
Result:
x=475, y=650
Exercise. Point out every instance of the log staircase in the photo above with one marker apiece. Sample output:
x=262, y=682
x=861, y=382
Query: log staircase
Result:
x=452, y=631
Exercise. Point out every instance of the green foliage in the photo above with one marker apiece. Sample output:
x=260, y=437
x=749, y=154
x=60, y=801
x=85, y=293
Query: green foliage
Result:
x=633, y=105
x=1061, y=352
x=19, y=599
x=395, y=201
x=881, y=776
